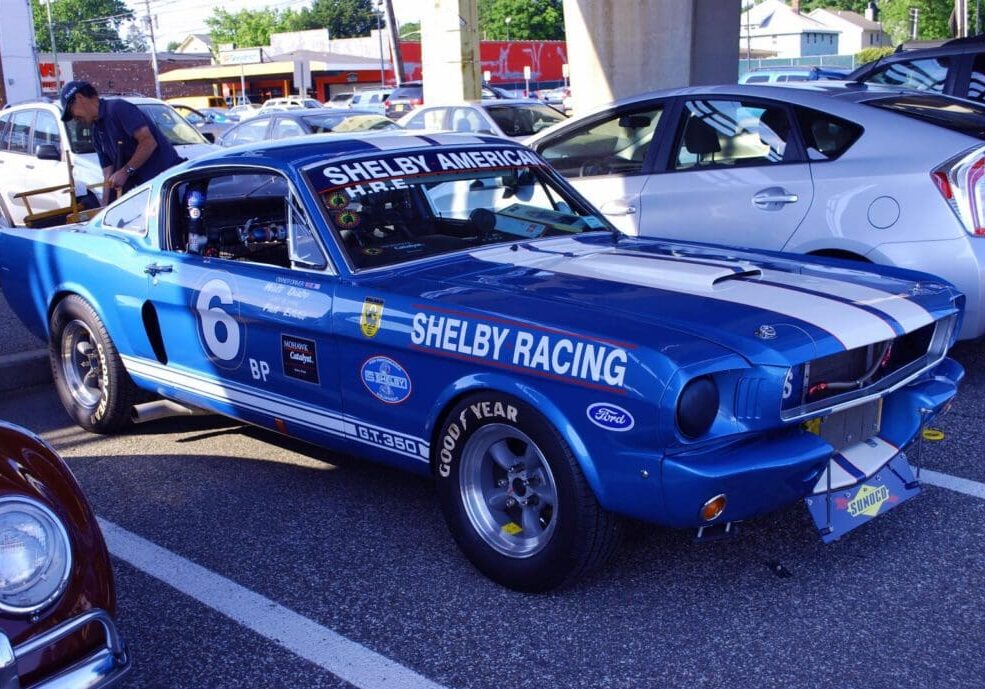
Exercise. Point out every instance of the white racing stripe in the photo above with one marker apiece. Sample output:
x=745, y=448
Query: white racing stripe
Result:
x=345, y=659
x=899, y=307
x=386, y=143
x=853, y=326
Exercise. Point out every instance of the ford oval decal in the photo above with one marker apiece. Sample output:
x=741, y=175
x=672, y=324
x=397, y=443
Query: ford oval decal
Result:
x=610, y=417
x=386, y=379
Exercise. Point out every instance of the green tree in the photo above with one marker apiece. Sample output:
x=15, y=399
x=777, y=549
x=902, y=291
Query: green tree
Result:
x=342, y=18
x=173, y=46
x=850, y=5
x=81, y=26
x=135, y=39
x=245, y=29
x=411, y=31
x=933, y=22
x=528, y=19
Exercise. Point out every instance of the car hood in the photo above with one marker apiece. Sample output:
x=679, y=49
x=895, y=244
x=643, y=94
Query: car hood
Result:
x=772, y=309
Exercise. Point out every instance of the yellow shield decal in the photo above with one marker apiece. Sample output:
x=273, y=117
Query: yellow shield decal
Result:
x=369, y=320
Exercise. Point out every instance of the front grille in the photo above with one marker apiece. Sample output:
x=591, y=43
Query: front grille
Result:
x=841, y=378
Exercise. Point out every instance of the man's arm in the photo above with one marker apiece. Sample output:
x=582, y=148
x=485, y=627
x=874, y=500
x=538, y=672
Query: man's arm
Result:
x=145, y=148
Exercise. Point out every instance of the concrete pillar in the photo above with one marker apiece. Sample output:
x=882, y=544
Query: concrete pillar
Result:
x=450, y=51
x=618, y=48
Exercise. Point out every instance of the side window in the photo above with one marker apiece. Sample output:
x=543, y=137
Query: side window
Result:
x=924, y=75
x=5, y=131
x=248, y=133
x=616, y=145
x=467, y=120
x=417, y=121
x=284, y=128
x=129, y=214
x=46, y=130
x=20, y=131
x=976, y=81
x=826, y=136
x=251, y=217
x=725, y=132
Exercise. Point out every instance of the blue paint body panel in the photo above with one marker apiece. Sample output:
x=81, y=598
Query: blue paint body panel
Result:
x=599, y=335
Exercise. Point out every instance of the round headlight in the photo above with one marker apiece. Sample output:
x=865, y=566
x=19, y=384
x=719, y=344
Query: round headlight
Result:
x=697, y=407
x=35, y=557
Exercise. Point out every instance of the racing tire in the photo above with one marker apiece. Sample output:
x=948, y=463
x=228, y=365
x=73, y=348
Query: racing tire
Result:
x=89, y=375
x=514, y=497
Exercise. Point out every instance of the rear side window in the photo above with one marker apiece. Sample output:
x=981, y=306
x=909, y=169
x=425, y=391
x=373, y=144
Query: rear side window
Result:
x=21, y=130
x=826, y=136
x=957, y=116
x=4, y=131
x=923, y=75
x=976, y=81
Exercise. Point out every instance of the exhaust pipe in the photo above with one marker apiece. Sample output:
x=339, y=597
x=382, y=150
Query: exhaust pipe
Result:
x=162, y=409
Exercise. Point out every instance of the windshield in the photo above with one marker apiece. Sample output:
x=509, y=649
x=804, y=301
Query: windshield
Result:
x=523, y=120
x=173, y=125
x=390, y=209
x=957, y=115
x=347, y=123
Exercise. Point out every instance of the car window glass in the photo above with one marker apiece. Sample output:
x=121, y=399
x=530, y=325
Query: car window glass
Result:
x=284, y=128
x=128, y=214
x=251, y=217
x=949, y=113
x=826, y=136
x=757, y=79
x=924, y=75
x=467, y=120
x=728, y=132
x=20, y=130
x=523, y=121
x=976, y=81
x=80, y=137
x=5, y=131
x=615, y=145
x=418, y=120
x=46, y=130
x=171, y=124
x=246, y=133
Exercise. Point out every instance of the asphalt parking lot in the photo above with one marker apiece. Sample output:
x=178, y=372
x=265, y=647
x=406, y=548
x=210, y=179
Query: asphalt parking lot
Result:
x=243, y=559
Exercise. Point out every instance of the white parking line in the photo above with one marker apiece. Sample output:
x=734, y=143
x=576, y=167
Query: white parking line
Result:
x=345, y=659
x=959, y=485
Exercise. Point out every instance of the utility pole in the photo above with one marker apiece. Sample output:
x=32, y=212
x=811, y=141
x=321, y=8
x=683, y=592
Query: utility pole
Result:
x=915, y=21
x=54, y=50
x=153, y=49
x=394, y=40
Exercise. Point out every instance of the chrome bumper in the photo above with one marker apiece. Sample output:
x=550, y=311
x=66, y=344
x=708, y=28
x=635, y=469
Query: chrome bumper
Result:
x=101, y=668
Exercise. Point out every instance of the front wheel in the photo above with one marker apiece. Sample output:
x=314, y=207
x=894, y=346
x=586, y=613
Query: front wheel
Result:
x=515, y=498
x=90, y=378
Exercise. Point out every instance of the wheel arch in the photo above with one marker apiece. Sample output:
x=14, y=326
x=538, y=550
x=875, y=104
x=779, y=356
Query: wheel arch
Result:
x=523, y=391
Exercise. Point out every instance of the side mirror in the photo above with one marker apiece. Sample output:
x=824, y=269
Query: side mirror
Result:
x=209, y=136
x=47, y=152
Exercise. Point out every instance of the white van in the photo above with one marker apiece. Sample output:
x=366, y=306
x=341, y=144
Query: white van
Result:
x=35, y=147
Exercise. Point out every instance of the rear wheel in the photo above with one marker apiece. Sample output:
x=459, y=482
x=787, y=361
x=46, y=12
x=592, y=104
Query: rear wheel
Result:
x=89, y=375
x=515, y=498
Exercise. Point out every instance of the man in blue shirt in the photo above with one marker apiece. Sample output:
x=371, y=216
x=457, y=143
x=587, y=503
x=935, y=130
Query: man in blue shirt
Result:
x=131, y=148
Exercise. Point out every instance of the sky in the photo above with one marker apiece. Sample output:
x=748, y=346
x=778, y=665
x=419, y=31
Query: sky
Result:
x=178, y=18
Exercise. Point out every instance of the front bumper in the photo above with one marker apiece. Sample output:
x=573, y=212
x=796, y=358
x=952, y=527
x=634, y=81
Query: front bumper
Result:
x=101, y=668
x=772, y=471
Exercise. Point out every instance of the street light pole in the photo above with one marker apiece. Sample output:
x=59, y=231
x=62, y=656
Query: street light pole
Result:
x=379, y=30
x=54, y=50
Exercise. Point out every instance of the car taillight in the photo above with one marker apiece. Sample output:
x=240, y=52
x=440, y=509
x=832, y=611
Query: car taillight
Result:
x=417, y=101
x=961, y=181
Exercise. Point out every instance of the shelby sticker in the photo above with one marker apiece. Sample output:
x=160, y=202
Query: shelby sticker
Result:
x=299, y=358
x=610, y=417
x=386, y=380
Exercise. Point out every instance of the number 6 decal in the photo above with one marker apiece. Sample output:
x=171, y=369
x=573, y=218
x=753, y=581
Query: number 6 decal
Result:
x=220, y=331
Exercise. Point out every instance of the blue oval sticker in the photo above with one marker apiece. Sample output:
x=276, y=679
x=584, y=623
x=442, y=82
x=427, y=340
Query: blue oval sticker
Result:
x=386, y=379
x=610, y=417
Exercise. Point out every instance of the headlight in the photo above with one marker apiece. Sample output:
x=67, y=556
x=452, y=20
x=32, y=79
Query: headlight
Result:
x=697, y=407
x=35, y=557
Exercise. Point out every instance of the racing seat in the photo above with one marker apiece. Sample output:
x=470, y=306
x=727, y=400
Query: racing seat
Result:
x=701, y=140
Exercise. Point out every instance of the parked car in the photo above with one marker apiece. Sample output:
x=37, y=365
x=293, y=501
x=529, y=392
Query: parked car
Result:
x=517, y=119
x=339, y=100
x=280, y=125
x=211, y=123
x=290, y=103
x=373, y=100
x=410, y=95
x=243, y=111
x=956, y=68
x=781, y=75
x=447, y=304
x=199, y=102
x=36, y=146
x=57, y=598
x=824, y=168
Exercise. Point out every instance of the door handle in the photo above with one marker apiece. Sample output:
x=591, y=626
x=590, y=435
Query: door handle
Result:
x=153, y=269
x=620, y=207
x=773, y=198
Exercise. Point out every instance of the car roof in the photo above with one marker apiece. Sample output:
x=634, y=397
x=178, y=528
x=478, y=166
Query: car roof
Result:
x=316, y=148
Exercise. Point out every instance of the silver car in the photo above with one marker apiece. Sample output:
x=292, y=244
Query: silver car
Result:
x=825, y=168
x=514, y=118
